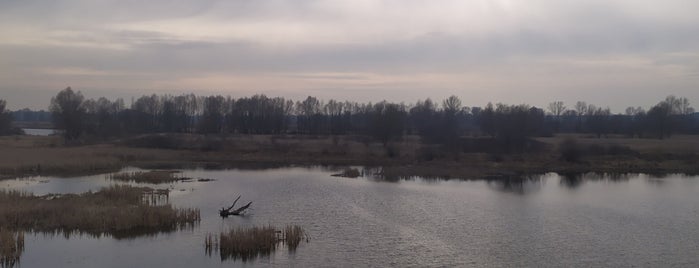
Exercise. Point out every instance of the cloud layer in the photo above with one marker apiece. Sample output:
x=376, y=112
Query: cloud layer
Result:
x=613, y=53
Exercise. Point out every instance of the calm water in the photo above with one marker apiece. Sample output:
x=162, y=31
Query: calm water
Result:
x=38, y=131
x=547, y=220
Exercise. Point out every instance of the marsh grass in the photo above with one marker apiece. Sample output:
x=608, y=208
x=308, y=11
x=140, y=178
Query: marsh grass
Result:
x=154, y=176
x=32, y=156
x=348, y=173
x=11, y=247
x=249, y=243
x=293, y=235
x=119, y=211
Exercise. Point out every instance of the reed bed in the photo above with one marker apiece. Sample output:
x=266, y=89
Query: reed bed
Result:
x=153, y=176
x=120, y=211
x=11, y=247
x=249, y=243
x=293, y=235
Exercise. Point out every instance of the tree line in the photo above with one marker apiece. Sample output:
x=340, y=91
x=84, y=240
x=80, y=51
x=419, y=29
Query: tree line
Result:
x=6, y=118
x=445, y=122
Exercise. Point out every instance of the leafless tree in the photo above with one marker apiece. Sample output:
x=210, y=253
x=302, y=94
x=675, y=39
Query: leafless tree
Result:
x=68, y=112
x=556, y=108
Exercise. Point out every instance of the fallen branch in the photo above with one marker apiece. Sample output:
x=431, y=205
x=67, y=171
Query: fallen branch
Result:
x=225, y=212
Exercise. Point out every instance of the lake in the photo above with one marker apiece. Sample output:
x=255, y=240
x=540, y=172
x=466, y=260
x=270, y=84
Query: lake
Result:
x=544, y=220
x=38, y=131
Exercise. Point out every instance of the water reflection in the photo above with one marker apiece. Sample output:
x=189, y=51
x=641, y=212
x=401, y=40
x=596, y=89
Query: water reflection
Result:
x=515, y=184
x=658, y=182
x=576, y=180
x=572, y=180
x=247, y=244
x=39, y=131
x=505, y=182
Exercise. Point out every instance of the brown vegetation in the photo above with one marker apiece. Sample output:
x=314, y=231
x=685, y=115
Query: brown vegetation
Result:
x=404, y=158
x=120, y=211
x=153, y=176
x=11, y=247
x=249, y=243
x=30, y=156
x=349, y=173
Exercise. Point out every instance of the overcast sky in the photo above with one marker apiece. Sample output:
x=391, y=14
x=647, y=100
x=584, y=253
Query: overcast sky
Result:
x=614, y=53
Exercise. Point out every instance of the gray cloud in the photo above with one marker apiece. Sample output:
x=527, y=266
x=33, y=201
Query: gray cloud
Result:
x=509, y=51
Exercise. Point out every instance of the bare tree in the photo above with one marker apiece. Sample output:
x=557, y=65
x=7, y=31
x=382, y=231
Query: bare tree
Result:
x=68, y=112
x=451, y=104
x=556, y=108
x=387, y=121
x=634, y=111
x=581, y=108
x=598, y=120
x=423, y=118
x=212, y=118
x=310, y=118
x=5, y=119
x=678, y=106
x=450, y=128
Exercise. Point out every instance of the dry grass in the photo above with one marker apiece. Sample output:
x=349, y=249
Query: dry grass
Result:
x=249, y=243
x=21, y=156
x=29, y=155
x=11, y=247
x=154, y=176
x=29, y=141
x=120, y=211
x=674, y=144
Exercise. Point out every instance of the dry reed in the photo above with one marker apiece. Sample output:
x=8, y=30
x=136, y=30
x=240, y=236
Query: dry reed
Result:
x=154, y=176
x=11, y=247
x=25, y=156
x=249, y=243
x=120, y=211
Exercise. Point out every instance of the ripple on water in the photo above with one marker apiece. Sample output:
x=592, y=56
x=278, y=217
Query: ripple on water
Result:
x=546, y=221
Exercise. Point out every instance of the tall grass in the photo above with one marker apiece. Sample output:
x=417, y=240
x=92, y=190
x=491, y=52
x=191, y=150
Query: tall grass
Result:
x=11, y=247
x=120, y=211
x=249, y=243
x=293, y=235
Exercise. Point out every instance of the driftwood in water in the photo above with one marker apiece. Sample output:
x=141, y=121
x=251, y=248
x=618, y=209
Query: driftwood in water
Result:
x=225, y=212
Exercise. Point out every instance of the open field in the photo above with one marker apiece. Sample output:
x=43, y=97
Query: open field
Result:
x=22, y=156
x=678, y=144
x=29, y=155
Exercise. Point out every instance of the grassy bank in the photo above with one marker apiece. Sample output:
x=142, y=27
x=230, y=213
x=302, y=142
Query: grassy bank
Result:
x=21, y=156
x=119, y=211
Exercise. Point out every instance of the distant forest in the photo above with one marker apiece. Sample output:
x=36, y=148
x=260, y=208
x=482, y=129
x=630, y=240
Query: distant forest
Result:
x=439, y=122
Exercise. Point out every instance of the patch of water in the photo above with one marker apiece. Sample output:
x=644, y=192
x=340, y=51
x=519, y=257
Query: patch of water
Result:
x=546, y=220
